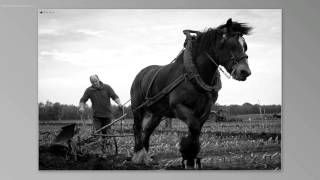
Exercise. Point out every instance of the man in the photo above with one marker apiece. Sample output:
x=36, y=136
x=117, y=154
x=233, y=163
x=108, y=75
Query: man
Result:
x=99, y=94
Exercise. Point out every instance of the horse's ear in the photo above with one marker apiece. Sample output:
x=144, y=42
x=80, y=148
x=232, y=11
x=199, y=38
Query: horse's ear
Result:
x=229, y=25
x=188, y=32
x=229, y=22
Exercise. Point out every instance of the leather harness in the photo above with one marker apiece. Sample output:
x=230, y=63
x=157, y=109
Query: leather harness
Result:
x=192, y=73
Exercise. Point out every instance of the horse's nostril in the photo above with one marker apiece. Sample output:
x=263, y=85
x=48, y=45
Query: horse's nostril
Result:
x=245, y=73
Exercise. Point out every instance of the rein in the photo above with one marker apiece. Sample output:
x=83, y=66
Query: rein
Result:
x=214, y=62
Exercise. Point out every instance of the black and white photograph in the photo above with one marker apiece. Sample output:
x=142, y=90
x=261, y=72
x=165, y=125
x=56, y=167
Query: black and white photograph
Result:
x=160, y=89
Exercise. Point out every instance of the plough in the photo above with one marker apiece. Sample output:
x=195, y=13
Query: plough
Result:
x=64, y=142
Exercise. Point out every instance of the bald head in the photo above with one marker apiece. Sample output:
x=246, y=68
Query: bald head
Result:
x=94, y=79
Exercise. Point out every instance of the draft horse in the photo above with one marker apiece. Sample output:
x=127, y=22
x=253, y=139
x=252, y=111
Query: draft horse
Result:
x=187, y=87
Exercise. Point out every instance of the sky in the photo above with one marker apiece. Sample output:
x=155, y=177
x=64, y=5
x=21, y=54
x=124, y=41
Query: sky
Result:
x=116, y=44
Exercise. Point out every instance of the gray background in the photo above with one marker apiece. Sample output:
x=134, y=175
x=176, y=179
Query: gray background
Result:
x=18, y=107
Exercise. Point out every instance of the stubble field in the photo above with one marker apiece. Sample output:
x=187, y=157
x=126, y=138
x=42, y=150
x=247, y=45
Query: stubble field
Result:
x=242, y=145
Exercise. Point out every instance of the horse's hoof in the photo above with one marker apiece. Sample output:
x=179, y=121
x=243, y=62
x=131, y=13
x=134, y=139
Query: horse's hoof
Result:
x=190, y=164
x=141, y=157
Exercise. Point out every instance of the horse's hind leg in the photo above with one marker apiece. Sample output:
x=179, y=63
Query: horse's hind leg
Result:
x=148, y=127
x=137, y=129
x=141, y=155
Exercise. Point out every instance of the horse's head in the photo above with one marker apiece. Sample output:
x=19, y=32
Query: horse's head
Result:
x=227, y=47
x=231, y=49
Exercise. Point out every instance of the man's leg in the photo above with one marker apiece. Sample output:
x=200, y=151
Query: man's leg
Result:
x=108, y=141
x=97, y=124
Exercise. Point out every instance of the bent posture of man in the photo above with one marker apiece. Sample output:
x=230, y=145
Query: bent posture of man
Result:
x=99, y=94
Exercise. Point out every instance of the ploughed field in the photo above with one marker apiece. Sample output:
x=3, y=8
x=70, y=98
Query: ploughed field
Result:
x=242, y=145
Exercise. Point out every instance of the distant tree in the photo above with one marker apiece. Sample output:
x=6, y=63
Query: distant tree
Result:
x=48, y=103
x=56, y=111
x=246, y=108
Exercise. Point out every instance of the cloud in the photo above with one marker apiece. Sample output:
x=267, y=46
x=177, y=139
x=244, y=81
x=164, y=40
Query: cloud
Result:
x=90, y=32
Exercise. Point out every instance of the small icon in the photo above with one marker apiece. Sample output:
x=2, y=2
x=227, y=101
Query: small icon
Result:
x=46, y=12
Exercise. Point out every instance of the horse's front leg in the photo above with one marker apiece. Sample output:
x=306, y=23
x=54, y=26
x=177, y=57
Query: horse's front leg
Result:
x=189, y=145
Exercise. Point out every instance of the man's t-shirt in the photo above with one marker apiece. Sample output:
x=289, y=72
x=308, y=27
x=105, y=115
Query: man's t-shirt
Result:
x=100, y=99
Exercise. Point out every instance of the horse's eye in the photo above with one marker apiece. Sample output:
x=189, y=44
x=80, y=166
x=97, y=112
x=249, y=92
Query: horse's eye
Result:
x=236, y=35
x=234, y=44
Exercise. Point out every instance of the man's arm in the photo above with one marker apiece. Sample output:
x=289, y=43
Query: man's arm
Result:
x=81, y=106
x=114, y=96
x=118, y=101
x=83, y=101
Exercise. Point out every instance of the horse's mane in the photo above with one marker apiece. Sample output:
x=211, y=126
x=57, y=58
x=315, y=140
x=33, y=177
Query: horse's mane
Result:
x=242, y=28
x=208, y=37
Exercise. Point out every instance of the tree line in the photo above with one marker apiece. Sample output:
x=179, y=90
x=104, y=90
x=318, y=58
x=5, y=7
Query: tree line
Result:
x=248, y=108
x=57, y=111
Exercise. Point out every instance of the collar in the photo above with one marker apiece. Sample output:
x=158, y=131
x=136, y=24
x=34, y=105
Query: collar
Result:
x=194, y=73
